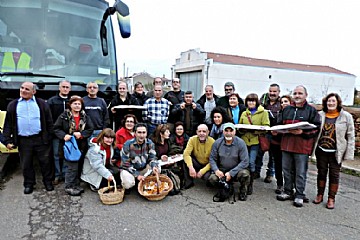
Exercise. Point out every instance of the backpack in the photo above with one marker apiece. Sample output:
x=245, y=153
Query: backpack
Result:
x=71, y=150
x=175, y=180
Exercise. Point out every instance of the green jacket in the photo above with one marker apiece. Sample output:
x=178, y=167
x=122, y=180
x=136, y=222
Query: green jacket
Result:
x=260, y=117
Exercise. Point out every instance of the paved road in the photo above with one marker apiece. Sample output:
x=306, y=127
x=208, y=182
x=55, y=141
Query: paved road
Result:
x=192, y=215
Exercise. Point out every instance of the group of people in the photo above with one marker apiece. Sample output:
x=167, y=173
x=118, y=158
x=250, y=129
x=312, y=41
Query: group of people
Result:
x=172, y=123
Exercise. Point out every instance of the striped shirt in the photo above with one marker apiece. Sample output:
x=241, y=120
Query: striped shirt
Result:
x=135, y=156
x=156, y=112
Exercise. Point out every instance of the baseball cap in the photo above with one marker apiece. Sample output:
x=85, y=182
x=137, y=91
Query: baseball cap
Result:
x=229, y=125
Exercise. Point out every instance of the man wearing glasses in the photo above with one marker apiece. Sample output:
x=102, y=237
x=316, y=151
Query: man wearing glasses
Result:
x=96, y=109
x=58, y=104
x=229, y=89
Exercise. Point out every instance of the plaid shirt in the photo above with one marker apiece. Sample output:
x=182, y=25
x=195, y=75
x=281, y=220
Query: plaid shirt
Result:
x=135, y=157
x=156, y=112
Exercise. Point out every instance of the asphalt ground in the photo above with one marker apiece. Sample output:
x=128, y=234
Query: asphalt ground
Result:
x=191, y=215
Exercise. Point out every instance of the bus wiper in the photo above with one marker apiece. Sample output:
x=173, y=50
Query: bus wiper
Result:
x=30, y=74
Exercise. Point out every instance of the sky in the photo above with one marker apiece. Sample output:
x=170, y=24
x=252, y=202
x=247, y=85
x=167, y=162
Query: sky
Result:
x=321, y=32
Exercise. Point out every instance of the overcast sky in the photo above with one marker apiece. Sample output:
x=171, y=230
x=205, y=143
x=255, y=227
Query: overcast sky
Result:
x=321, y=32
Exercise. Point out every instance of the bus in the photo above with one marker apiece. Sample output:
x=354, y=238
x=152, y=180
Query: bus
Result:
x=45, y=41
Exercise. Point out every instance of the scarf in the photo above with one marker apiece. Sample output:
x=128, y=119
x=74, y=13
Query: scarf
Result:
x=72, y=123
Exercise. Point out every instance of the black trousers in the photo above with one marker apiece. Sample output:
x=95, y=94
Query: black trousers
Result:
x=327, y=164
x=30, y=147
x=188, y=179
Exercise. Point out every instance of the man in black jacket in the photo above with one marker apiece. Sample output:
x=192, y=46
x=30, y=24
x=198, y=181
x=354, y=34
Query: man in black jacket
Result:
x=175, y=96
x=29, y=125
x=58, y=104
x=208, y=102
x=229, y=88
x=122, y=98
x=190, y=113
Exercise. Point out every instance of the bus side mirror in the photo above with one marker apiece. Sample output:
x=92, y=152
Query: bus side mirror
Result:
x=122, y=11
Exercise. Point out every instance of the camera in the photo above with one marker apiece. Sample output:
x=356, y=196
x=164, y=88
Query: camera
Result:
x=223, y=183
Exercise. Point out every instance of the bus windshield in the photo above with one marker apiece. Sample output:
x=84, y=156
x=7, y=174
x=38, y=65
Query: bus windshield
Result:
x=56, y=38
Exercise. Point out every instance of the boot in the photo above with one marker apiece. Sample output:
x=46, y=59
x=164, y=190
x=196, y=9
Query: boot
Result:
x=321, y=189
x=330, y=203
x=243, y=192
x=333, y=188
x=250, y=187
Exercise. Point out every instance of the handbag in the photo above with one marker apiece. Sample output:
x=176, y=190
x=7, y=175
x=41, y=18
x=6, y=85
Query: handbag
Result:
x=71, y=150
x=264, y=141
x=175, y=180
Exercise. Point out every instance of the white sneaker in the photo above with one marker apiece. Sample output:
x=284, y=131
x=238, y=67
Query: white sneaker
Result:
x=283, y=196
x=298, y=202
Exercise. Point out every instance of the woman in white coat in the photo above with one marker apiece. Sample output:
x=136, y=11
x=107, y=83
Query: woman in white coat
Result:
x=99, y=167
x=335, y=143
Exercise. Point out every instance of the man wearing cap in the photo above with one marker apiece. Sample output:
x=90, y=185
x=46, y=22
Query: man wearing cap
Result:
x=229, y=88
x=196, y=156
x=229, y=157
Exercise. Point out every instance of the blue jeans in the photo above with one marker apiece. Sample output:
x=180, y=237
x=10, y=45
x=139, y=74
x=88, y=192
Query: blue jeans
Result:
x=60, y=168
x=259, y=163
x=295, y=166
x=253, y=151
x=150, y=129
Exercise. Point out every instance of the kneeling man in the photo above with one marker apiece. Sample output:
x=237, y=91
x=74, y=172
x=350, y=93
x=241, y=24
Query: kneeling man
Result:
x=137, y=156
x=196, y=156
x=229, y=157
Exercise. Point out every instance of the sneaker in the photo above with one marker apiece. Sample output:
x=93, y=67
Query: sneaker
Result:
x=283, y=196
x=268, y=179
x=242, y=196
x=72, y=191
x=279, y=189
x=298, y=202
x=93, y=188
x=306, y=199
x=49, y=187
x=81, y=189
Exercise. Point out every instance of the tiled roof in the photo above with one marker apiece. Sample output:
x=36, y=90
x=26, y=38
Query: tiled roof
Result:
x=239, y=60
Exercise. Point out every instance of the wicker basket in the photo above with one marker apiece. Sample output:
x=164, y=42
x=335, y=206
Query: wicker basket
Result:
x=155, y=197
x=112, y=197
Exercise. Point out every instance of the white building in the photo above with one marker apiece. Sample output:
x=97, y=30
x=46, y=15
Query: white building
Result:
x=197, y=69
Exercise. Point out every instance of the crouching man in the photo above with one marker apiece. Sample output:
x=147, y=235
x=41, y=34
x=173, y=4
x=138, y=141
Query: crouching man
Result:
x=229, y=158
x=137, y=157
x=196, y=156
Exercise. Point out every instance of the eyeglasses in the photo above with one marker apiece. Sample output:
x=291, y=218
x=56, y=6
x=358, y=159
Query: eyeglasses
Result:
x=228, y=89
x=128, y=121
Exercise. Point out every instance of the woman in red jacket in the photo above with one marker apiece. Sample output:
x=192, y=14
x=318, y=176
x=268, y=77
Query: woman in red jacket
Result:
x=127, y=132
